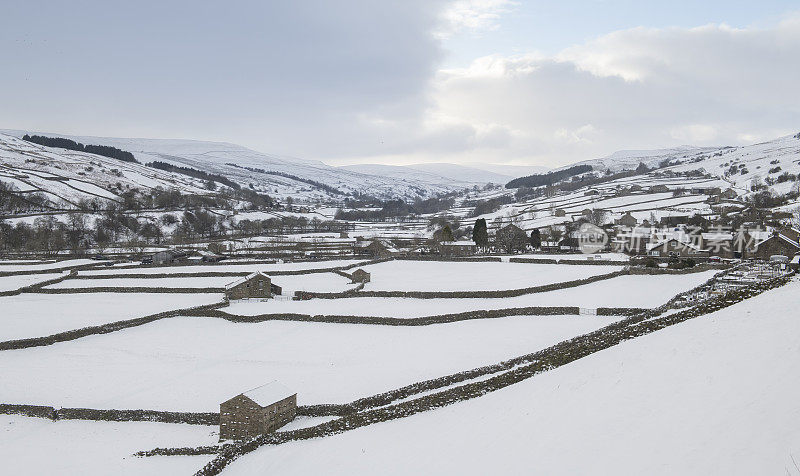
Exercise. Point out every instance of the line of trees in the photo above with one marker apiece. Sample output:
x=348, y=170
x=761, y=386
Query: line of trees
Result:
x=539, y=180
x=195, y=173
x=327, y=188
x=398, y=208
x=69, y=144
x=114, y=227
x=13, y=201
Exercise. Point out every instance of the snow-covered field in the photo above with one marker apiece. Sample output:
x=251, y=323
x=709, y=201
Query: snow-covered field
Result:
x=193, y=364
x=11, y=266
x=225, y=268
x=184, y=282
x=454, y=276
x=713, y=395
x=578, y=256
x=11, y=283
x=320, y=282
x=623, y=291
x=36, y=315
x=38, y=446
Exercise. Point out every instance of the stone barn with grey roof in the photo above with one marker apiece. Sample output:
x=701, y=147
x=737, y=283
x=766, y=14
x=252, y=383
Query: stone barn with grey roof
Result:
x=256, y=285
x=261, y=410
x=360, y=276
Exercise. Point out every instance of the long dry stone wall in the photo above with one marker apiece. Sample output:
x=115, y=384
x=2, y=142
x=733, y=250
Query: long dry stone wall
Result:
x=51, y=413
x=570, y=261
x=465, y=294
x=36, y=287
x=128, y=289
x=397, y=321
x=101, y=329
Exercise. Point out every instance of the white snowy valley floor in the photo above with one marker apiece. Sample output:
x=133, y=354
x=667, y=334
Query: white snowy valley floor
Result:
x=37, y=315
x=714, y=395
x=193, y=364
x=35, y=446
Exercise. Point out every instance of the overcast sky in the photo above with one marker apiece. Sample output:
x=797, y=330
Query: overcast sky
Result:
x=398, y=82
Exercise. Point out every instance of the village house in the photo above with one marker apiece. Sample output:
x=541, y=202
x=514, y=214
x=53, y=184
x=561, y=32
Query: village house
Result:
x=511, y=238
x=560, y=212
x=457, y=248
x=659, y=189
x=674, y=220
x=255, y=412
x=720, y=244
x=634, y=241
x=674, y=248
x=706, y=190
x=783, y=242
x=569, y=243
x=360, y=276
x=203, y=256
x=627, y=220
x=549, y=246
x=374, y=249
x=256, y=285
x=164, y=257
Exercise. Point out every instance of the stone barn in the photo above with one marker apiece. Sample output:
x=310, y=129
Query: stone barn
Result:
x=780, y=243
x=360, y=276
x=256, y=285
x=261, y=410
x=167, y=257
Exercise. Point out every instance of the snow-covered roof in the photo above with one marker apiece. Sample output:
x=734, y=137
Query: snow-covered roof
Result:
x=246, y=278
x=783, y=237
x=687, y=244
x=714, y=236
x=269, y=393
x=458, y=243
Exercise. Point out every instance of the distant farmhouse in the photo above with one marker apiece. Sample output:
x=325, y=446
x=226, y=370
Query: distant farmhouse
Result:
x=374, y=249
x=261, y=410
x=627, y=220
x=164, y=257
x=359, y=276
x=255, y=285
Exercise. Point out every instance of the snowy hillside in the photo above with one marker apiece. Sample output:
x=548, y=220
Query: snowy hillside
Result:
x=277, y=176
x=629, y=159
x=431, y=175
x=756, y=161
x=65, y=177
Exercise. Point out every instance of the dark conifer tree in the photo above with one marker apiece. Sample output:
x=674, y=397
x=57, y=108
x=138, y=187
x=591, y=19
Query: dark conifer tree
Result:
x=480, y=234
x=536, y=239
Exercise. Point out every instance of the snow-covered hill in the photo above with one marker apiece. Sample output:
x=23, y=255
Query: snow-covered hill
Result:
x=756, y=161
x=463, y=173
x=281, y=177
x=432, y=175
x=738, y=167
x=66, y=177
